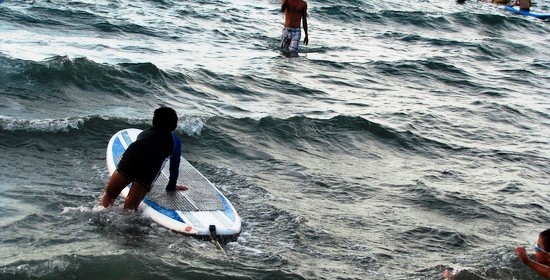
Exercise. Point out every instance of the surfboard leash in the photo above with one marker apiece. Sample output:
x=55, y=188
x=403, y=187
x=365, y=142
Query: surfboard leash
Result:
x=214, y=236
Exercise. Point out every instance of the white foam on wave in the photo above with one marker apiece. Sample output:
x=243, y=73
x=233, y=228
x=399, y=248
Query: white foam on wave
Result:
x=80, y=209
x=45, y=125
x=40, y=269
x=192, y=125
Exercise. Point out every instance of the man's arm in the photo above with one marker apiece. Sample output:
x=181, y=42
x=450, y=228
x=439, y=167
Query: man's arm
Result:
x=304, y=23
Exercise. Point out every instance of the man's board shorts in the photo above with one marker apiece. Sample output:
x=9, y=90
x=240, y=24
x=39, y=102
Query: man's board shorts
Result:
x=290, y=40
x=143, y=159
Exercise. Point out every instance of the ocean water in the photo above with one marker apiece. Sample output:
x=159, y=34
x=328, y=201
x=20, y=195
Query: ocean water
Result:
x=406, y=139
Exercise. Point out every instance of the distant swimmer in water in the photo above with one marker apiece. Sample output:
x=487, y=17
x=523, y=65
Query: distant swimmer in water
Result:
x=500, y=2
x=457, y=274
x=524, y=5
x=449, y=275
x=295, y=12
x=542, y=255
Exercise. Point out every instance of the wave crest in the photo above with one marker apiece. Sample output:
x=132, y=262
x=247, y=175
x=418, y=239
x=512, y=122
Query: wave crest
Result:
x=191, y=125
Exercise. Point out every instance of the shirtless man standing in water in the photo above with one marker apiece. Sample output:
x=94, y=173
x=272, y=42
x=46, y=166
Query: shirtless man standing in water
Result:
x=295, y=11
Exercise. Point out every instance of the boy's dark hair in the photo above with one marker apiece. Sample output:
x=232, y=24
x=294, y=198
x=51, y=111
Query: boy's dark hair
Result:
x=165, y=118
x=545, y=239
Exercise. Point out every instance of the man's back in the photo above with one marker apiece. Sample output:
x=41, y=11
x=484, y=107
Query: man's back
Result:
x=294, y=11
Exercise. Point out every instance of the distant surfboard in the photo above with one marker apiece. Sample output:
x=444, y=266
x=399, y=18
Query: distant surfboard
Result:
x=515, y=9
x=198, y=211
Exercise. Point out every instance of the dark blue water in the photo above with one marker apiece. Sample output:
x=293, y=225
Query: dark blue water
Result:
x=407, y=137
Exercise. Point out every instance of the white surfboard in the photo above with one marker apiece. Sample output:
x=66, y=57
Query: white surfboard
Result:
x=197, y=211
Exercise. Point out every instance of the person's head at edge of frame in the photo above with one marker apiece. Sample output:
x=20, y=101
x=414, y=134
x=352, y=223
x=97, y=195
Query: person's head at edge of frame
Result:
x=165, y=119
x=543, y=256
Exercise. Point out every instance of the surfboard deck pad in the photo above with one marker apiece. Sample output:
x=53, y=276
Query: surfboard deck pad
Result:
x=199, y=197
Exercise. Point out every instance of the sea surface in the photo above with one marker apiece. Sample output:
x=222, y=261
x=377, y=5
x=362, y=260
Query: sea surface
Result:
x=407, y=138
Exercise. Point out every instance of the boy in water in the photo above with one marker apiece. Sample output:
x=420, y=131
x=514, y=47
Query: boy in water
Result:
x=142, y=161
x=524, y=5
x=542, y=255
x=295, y=11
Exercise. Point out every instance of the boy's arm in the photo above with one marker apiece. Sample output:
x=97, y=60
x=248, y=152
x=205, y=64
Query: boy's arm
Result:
x=174, y=164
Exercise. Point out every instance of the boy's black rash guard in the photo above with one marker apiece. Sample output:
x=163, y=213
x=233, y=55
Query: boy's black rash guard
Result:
x=142, y=161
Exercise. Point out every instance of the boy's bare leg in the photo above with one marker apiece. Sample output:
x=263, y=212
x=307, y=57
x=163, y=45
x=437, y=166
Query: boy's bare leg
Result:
x=136, y=195
x=116, y=184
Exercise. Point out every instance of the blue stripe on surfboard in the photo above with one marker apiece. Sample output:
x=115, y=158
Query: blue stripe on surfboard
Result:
x=222, y=218
x=126, y=138
x=166, y=212
x=192, y=219
x=227, y=210
x=118, y=150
